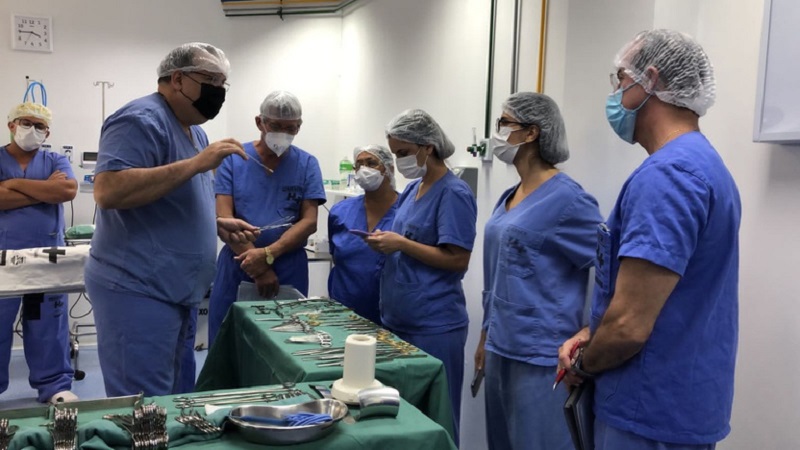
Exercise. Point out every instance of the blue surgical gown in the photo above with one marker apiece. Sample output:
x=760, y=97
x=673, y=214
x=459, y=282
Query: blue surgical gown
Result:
x=262, y=199
x=356, y=274
x=45, y=321
x=680, y=209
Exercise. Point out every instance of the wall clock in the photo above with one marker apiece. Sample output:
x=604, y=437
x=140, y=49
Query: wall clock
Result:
x=32, y=33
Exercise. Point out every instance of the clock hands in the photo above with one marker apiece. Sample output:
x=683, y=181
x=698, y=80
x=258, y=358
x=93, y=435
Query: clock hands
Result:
x=31, y=32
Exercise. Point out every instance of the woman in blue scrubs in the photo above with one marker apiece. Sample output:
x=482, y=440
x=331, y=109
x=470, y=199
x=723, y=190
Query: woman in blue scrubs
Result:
x=428, y=248
x=355, y=277
x=538, y=247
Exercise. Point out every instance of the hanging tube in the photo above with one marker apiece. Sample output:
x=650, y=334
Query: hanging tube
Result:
x=490, y=76
x=515, y=51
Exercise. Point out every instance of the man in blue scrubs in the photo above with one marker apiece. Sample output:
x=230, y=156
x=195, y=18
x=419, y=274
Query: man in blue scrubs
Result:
x=152, y=255
x=33, y=186
x=664, y=322
x=280, y=187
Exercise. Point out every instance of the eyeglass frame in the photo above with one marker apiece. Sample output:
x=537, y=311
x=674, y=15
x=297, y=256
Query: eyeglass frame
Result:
x=38, y=126
x=214, y=80
x=268, y=123
x=505, y=122
x=371, y=163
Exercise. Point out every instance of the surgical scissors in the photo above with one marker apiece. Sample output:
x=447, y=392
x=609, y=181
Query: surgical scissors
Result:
x=255, y=160
x=280, y=223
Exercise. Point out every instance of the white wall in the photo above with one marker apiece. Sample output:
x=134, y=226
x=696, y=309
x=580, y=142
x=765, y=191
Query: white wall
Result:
x=354, y=73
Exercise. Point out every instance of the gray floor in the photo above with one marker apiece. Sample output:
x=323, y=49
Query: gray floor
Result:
x=21, y=395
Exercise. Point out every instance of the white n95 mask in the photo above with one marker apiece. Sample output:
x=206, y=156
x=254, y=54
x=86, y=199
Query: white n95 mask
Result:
x=407, y=165
x=369, y=179
x=29, y=139
x=278, y=142
x=501, y=148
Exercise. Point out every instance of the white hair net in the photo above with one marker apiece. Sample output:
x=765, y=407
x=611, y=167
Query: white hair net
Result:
x=29, y=109
x=383, y=154
x=542, y=111
x=418, y=127
x=194, y=57
x=281, y=105
x=685, y=74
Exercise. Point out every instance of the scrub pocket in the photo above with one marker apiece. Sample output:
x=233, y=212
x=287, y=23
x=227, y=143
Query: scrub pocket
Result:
x=519, y=251
x=515, y=328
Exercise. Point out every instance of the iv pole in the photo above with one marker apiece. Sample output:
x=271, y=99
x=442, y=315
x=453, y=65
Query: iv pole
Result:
x=103, y=85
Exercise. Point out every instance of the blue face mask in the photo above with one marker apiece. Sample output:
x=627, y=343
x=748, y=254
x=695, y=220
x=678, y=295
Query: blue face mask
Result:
x=621, y=119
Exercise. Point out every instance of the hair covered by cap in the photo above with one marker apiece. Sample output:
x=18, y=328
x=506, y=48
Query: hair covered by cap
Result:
x=542, y=111
x=194, y=57
x=281, y=105
x=29, y=109
x=418, y=127
x=685, y=74
x=383, y=154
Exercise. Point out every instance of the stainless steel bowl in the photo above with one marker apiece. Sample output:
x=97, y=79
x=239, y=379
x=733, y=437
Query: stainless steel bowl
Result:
x=260, y=433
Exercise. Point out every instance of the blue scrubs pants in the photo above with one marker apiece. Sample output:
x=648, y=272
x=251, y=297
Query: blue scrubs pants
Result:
x=610, y=438
x=188, y=365
x=522, y=409
x=45, y=336
x=449, y=348
x=140, y=341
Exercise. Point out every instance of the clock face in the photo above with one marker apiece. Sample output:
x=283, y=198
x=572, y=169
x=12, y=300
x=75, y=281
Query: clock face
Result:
x=32, y=33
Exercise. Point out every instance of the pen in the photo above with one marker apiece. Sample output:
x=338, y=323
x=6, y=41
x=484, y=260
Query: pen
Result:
x=563, y=372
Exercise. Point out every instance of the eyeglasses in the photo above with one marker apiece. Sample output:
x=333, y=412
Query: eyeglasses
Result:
x=26, y=124
x=616, y=80
x=277, y=128
x=215, y=80
x=371, y=163
x=503, y=122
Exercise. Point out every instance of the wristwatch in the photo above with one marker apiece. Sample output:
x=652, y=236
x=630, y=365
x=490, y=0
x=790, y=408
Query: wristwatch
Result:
x=577, y=364
x=268, y=256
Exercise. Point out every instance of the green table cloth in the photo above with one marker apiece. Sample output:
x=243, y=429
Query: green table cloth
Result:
x=410, y=429
x=247, y=352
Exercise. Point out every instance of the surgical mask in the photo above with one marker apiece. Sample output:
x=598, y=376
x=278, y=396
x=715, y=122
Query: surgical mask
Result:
x=278, y=142
x=621, y=119
x=210, y=101
x=29, y=139
x=369, y=179
x=407, y=165
x=501, y=148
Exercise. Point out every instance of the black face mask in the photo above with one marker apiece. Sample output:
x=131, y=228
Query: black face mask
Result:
x=210, y=101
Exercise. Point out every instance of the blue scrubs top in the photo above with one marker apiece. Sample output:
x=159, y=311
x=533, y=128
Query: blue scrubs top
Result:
x=263, y=199
x=164, y=250
x=536, y=264
x=355, y=277
x=417, y=298
x=39, y=225
x=680, y=210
